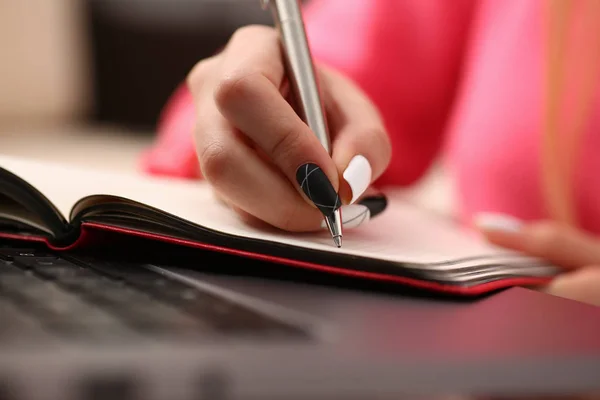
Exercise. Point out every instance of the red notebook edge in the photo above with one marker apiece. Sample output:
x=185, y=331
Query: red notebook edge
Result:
x=88, y=229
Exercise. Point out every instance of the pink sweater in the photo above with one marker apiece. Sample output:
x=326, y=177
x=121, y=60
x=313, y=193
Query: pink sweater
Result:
x=459, y=78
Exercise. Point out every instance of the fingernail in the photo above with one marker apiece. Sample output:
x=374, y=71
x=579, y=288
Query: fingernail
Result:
x=317, y=187
x=375, y=204
x=358, y=175
x=497, y=222
x=353, y=216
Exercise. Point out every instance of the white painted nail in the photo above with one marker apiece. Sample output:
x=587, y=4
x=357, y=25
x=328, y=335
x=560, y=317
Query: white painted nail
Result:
x=498, y=222
x=353, y=216
x=358, y=175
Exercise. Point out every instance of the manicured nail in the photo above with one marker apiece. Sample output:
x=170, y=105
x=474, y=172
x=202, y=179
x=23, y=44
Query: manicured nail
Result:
x=317, y=187
x=353, y=216
x=376, y=204
x=358, y=175
x=497, y=222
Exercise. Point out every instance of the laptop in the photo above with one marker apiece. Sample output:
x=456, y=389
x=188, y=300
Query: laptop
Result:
x=118, y=325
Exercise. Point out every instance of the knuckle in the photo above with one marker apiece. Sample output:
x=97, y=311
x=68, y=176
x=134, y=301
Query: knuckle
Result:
x=234, y=87
x=384, y=145
x=197, y=75
x=214, y=161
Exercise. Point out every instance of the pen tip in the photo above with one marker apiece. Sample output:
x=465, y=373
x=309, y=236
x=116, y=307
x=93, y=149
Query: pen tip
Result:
x=338, y=241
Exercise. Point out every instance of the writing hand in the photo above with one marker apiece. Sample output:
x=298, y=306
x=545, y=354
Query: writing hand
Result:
x=251, y=143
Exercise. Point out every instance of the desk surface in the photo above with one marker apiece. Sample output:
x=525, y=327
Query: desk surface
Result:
x=96, y=147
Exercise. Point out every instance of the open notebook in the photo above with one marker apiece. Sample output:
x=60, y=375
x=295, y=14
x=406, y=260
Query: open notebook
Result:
x=56, y=203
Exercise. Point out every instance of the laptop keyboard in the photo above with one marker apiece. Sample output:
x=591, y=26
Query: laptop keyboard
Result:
x=85, y=298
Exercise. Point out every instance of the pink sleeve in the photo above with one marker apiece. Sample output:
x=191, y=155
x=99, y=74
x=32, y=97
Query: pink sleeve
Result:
x=406, y=55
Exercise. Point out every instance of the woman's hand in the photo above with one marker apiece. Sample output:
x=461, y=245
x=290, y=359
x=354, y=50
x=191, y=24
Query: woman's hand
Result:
x=578, y=252
x=253, y=148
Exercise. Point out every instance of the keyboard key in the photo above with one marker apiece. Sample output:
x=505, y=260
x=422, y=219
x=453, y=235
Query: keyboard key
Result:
x=89, y=284
x=117, y=295
x=50, y=266
x=9, y=254
x=64, y=273
x=100, y=266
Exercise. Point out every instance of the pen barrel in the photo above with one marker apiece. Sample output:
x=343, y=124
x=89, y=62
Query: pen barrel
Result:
x=301, y=71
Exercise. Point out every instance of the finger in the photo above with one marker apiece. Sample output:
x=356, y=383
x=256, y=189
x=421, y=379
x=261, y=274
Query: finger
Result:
x=562, y=245
x=361, y=146
x=367, y=207
x=248, y=95
x=580, y=285
x=200, y=76
x=239, y=176
x=245, y=216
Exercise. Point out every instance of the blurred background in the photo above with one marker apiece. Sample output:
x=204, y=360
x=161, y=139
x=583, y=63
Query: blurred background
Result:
x=84, y=81
x=106, y=61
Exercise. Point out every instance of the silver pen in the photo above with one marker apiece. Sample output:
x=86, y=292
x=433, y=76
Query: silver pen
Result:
x=300, y=69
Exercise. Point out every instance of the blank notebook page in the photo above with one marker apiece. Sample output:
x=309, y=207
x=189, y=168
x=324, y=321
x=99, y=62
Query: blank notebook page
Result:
x=402, y=233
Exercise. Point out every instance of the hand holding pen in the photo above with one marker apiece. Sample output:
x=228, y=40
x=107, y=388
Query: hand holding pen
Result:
x=300, y=72
x=260, y=139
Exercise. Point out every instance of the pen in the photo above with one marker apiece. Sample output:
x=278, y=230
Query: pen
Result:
x=288, y=20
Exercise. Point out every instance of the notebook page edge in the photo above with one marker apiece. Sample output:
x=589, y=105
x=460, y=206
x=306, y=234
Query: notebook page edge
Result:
x=193, y=201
